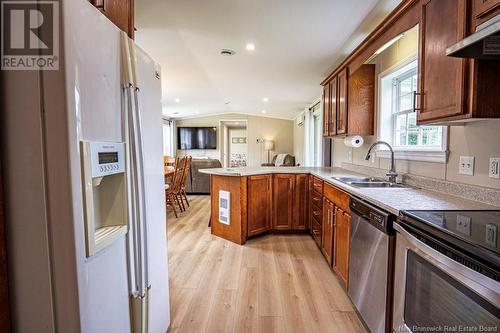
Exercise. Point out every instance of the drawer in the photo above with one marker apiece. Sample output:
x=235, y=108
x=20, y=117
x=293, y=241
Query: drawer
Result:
x=316, y=231
x=316, y=212
x=317, y=198
x=338, y=197
x=318, y=185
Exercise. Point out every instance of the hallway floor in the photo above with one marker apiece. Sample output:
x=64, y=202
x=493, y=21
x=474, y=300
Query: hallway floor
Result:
x=275, y=283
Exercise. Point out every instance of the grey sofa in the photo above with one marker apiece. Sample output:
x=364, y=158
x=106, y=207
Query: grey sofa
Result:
x=289, y=161
x=199, y=183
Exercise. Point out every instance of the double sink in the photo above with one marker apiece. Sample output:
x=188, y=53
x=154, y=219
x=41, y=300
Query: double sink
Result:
x=368, y=182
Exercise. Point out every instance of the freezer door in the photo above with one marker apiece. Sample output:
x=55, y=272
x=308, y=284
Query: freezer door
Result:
x=148, y=96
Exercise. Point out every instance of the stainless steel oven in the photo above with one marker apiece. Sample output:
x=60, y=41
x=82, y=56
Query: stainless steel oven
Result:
x=439, y=288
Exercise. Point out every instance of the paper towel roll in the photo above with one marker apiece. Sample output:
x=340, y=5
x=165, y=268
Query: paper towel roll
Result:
x=354, y=141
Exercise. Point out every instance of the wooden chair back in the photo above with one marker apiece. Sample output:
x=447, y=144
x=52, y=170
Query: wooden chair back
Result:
x=180, y=163
x=185, y=174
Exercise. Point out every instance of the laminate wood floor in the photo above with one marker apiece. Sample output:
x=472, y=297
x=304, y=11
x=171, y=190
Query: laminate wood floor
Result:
x=275, y=283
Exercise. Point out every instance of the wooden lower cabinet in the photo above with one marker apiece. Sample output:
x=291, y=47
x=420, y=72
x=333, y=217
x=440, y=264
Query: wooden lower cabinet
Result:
x=300, y=206
x=283, y=193
x=327, y=230
x=341, y=245
x=259, y=204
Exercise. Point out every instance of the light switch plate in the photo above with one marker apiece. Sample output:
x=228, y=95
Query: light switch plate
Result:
x=494, y=167
x=463, y=224
x=491, y=235
x=466, y=165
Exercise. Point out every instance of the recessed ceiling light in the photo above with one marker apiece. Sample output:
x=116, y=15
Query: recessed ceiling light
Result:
x=227, y=52
x=227, y=102
x=263, y=111
x=265, y=100
x=250, y=47
x=177, y=100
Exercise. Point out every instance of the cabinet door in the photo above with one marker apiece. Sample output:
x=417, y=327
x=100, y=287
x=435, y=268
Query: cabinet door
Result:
x=327, y=230
x=333, y=107
x=341, y=245
x=120, y=12
x=283, y=193
x=326, y=109
x=361, y=101
x=300, y=203
x=483, y=7
x=259, y=204
x=442, y=78
x=342, y=102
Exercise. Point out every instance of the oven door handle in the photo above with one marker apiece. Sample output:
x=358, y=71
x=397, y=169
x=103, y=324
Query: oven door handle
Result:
x=488, y=288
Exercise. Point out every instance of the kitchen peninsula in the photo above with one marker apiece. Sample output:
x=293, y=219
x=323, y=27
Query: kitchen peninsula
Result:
x=299, y=199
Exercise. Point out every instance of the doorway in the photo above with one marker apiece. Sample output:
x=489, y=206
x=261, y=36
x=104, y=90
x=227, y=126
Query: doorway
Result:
x=234, y=148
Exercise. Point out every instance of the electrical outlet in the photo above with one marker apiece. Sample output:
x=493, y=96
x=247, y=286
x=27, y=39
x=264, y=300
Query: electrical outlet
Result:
x=466, y=165
x=494, y=169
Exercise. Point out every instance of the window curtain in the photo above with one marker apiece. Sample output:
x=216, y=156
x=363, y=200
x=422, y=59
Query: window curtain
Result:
x=313, y=134
x=168, y=137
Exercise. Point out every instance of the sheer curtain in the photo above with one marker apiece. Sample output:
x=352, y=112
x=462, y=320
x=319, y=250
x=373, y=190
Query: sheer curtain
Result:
x=168, y=137
x=313, y=135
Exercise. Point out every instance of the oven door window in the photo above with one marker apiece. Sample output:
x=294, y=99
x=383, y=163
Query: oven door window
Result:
x=435, y=301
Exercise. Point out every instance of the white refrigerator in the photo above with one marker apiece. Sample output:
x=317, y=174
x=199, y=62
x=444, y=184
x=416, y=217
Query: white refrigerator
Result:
x=83, y=258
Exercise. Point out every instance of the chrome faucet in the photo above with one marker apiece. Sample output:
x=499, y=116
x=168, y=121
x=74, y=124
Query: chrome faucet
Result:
x=392, y=174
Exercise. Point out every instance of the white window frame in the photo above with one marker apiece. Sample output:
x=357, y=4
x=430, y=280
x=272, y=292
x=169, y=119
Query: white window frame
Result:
x=385, y=121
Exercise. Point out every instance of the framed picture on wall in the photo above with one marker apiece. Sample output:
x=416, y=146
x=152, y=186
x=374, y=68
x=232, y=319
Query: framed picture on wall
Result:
x=239, y=140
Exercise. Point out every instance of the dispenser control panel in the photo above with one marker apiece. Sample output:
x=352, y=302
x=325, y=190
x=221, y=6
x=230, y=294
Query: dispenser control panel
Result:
x=107, y=158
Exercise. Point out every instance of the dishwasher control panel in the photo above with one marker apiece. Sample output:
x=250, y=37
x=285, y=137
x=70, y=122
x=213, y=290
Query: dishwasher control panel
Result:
x=380, y=219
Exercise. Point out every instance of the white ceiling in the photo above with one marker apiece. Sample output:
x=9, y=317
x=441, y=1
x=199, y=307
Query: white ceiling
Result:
x=297, y=43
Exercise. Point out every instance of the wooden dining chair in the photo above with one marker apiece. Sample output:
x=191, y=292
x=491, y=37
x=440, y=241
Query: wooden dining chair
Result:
x=185, y=176
x=172, y=190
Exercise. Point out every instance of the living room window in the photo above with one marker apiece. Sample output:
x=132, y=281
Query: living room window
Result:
x=398, y=119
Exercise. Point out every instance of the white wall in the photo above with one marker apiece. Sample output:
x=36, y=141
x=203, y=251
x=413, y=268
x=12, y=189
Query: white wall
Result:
x=480, y=139
x=278, y=130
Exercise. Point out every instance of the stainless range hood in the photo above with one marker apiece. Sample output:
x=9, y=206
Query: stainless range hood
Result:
x=483, y=44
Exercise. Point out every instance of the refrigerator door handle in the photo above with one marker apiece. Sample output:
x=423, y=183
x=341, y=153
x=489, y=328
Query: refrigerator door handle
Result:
x=142, y=195
x=138, y=232
x=133, y=240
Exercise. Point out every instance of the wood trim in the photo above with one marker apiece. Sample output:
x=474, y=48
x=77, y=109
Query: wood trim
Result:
x=373, y=37
x=4, y=285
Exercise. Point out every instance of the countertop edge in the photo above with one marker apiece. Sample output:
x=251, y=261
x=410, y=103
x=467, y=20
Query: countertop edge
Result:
x=317, y=172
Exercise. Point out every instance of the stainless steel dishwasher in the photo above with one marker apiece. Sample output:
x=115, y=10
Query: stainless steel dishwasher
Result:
x=371, y=264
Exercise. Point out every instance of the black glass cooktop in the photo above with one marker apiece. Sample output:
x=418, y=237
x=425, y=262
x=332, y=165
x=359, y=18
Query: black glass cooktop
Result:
x=479, y=228
x=471, y=232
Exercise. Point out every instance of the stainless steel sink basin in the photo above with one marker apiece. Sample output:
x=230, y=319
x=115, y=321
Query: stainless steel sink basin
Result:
x=376, y=185
x=356, y=179
x=368, y=182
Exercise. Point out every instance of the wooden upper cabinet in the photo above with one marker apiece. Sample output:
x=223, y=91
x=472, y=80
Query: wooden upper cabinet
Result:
x=120, y=12
x=327, y=230
x=259, y=204
x=442, y=78
x=326, y=110
x=341, y=245
x=485, y=7
x=300, y=204
x=342, y=102
x=283, y=193
x=333, y=107
x=361, y=101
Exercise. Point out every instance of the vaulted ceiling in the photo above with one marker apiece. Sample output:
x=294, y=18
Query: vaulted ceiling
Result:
x=297, y=42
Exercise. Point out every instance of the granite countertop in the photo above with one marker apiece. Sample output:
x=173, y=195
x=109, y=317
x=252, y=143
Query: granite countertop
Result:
x=392, y=200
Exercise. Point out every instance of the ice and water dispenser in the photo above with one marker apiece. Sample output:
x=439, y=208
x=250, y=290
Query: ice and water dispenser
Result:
x=105, y=193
